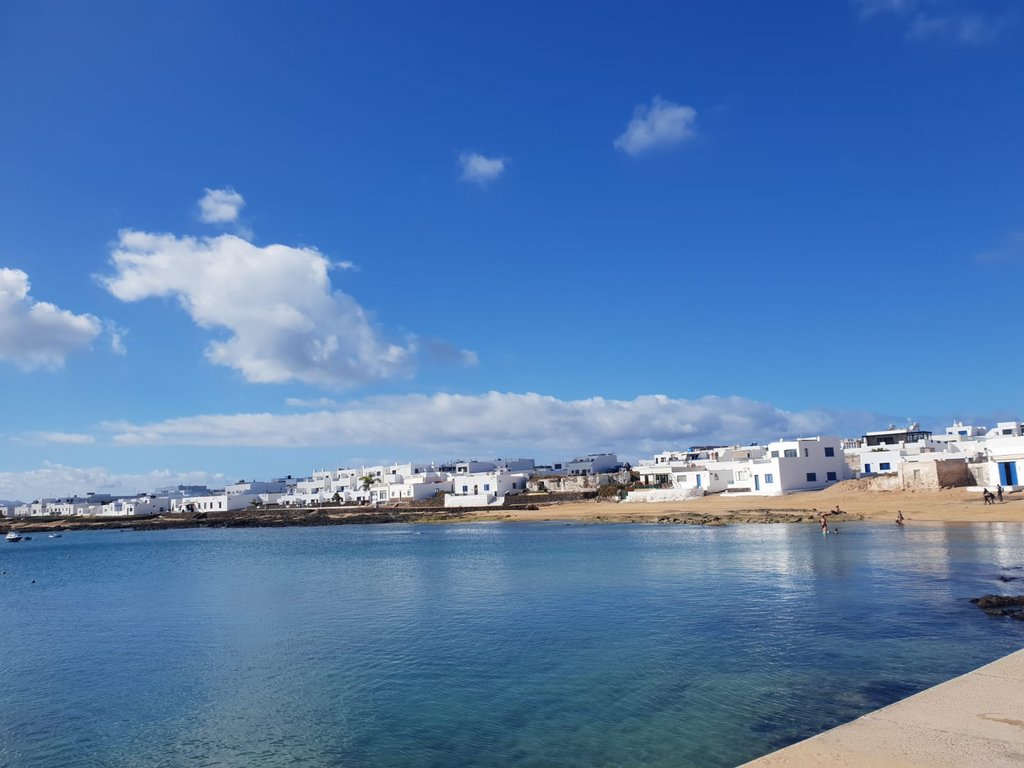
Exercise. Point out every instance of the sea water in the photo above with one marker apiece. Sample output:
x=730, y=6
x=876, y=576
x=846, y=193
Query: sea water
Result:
x=481, y=644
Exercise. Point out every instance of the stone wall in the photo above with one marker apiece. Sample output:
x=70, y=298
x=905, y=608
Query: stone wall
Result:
x=942, y=473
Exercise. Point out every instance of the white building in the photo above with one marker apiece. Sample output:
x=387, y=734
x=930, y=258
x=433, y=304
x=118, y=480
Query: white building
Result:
x=592, y=464
x=139, y=505
x=215, y=502
x=881, y=453
x=787, y=466
x=481, y=489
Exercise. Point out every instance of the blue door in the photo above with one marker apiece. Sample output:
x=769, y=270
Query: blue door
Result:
x=757, y=482
x=1008, y=472
x=867, y=469
x=698, y=481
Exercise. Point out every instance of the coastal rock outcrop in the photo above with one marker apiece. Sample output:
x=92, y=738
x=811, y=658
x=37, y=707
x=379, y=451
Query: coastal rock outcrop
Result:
x=1001, y=605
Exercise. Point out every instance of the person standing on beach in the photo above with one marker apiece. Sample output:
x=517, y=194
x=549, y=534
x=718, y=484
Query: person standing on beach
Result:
x=899, y=517
x=999, y=493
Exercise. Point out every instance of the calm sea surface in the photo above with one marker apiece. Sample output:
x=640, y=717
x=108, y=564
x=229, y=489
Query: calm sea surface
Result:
x=480, y=645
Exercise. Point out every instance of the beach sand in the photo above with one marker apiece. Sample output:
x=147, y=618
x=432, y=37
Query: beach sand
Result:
x=954, y=505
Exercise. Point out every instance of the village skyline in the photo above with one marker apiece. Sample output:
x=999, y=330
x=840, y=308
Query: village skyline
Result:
x=455, y=230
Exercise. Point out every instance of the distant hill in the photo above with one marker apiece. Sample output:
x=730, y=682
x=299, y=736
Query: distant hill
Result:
x=9, y=503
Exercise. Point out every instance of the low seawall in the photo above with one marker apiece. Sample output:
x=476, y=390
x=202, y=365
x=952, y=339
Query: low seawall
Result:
x=973, y=720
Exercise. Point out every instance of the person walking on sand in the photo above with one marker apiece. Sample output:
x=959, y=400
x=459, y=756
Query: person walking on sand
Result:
x=999, y=493
x=987, y=496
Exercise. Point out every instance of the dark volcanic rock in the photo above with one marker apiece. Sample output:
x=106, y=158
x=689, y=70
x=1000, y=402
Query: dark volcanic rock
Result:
x=1001, y=605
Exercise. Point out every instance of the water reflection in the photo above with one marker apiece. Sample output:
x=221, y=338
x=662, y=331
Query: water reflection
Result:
x=503, y=645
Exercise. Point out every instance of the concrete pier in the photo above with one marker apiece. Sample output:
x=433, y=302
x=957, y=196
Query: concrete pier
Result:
x=973, y=720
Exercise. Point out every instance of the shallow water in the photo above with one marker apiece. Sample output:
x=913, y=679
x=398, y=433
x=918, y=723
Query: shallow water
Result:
x=483, y=644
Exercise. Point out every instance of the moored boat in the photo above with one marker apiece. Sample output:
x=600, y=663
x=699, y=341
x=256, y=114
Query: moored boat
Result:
x=13, y=536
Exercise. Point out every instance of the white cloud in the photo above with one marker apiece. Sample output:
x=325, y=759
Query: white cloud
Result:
x=37, y=334
x=955, y=22
x=1011, y=248
x=319, y=402
x=662, y=124
x=117, y=335
x=869, y=8
x=480, y=169
x=220, y=206
x=494, y=422
x=283, y=319
x=58, y=480
x=961, y=29
x=65, y=438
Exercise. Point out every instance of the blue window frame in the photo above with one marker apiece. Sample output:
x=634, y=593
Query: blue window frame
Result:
x=830, y=451
x=831, y=476
x=812, y=477
x=487, y=486
x=465, y=489
x=884, y=466
x=769, y=479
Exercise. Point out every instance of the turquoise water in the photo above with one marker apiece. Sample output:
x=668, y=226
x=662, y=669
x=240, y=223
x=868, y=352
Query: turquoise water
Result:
x=482, y=645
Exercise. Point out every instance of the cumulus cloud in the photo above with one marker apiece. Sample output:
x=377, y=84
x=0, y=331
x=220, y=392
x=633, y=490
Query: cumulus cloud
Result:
x=37, y=334
x=494, y=422
x=283, y=319
x=479, y=169
x=659, y=125
x=220, y=206
x=52, y=480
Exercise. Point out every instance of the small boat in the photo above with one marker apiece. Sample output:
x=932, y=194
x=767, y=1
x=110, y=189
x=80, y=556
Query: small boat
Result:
x=55, y=535
x=13, y=536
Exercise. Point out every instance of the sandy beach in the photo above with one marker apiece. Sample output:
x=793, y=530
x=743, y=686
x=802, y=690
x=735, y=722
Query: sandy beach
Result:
x=954, y=505
x=855, y=502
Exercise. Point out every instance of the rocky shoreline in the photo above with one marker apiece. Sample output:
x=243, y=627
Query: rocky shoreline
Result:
x=266, y=518
x=283, y=517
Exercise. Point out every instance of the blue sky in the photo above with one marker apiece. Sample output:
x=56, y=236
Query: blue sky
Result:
x=474, y=229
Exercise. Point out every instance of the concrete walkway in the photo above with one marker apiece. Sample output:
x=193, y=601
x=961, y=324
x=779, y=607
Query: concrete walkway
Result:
x=973, y=721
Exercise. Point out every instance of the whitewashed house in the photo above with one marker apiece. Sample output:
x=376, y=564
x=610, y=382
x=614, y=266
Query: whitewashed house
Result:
x=788, y=466
x=214, y=502
x=481, y=489
x=139, y=505
x=592, y=464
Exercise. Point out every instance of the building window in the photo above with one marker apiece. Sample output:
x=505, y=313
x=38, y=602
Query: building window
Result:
x=465, y=489
x=487, y=486
x=830, y=451
x=962, y=432
x=830, y=476
x=806, y=452
x=769, y=479
x=775, y=454
x=884, y=466
x=812, y=477
x=790, y=453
